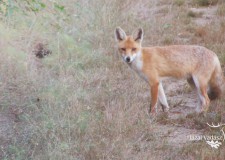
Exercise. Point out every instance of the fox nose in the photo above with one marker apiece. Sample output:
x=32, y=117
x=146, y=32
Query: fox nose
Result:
x=127, y=59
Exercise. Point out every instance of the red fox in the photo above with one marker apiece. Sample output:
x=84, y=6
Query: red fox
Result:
x=197, y=64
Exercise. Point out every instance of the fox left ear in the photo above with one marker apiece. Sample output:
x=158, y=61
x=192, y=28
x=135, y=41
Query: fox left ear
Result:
x=120, y=35
x=138, y=35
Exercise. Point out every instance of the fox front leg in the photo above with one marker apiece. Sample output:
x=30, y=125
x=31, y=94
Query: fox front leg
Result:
x=162, y=98
x=154, y=98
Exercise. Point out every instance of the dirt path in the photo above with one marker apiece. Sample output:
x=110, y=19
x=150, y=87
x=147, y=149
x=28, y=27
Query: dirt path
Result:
x=183, y=100
x=208, y=15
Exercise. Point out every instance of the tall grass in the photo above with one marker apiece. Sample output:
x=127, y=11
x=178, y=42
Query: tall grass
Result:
x=80, y=102
x=68, y=98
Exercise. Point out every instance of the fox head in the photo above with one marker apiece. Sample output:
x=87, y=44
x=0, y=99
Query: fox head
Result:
x=129, y=46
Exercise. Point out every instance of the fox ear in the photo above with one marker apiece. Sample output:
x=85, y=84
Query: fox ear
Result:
x=138, y=35
x=120, y=34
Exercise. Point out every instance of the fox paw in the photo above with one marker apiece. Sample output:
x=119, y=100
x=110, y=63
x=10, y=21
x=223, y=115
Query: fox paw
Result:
x=165, y=108
x=152, y=114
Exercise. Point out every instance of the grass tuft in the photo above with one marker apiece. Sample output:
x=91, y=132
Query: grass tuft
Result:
x=205, y=2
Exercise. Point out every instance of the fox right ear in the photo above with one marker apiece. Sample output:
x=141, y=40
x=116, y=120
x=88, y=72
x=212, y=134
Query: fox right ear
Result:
x=138, y=35
x=120, y=34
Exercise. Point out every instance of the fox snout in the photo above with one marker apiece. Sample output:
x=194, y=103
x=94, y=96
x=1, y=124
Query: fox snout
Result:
x=127, y=59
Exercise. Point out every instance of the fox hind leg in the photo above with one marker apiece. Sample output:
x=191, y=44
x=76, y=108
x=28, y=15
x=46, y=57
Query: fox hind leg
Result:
x=201, y=87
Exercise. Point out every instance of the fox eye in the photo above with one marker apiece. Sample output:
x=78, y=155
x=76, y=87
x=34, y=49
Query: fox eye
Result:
x=134, y=49
x=123, y=49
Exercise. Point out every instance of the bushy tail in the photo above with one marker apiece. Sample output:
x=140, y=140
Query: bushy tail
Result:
x=216, y=84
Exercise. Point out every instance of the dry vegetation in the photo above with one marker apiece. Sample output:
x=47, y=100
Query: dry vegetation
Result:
x=81, y=101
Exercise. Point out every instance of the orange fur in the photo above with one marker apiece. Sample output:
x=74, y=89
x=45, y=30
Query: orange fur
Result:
x=195, y=63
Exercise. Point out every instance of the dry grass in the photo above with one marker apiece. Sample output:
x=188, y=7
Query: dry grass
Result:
x=221, y=9
x=205, y=2
x=82, y=102
x=201, y=151
x=179, y=2
x=194, y=14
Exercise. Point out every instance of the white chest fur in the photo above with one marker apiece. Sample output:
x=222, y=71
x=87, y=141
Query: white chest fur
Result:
x=137, y=66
